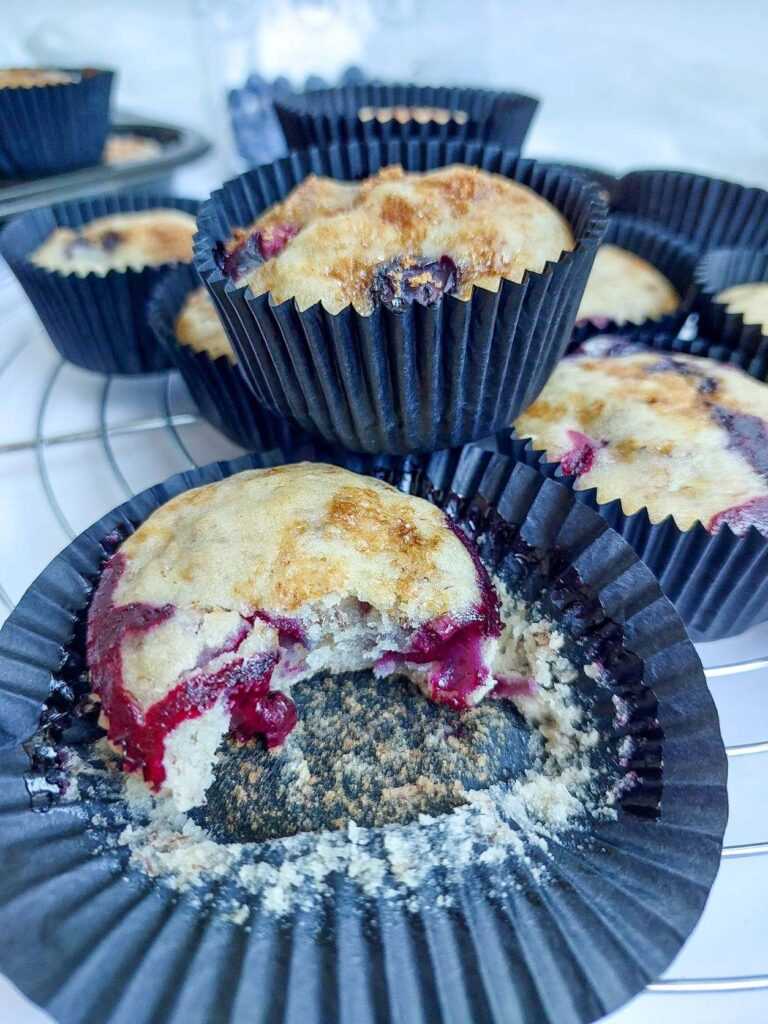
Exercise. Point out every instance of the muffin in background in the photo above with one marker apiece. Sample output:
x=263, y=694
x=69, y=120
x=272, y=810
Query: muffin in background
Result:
x=732, y=301
x=52, y=119
x=187, y=327
x=89, y=267
x=641, y=275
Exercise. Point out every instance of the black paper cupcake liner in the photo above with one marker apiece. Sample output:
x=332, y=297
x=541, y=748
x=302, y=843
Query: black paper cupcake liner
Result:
x=707, y=211
x=97, y=321
x=103, y=943
x=47, y=129
x=217, y=386
x=320, y=117
x=418, y=380
x=720, y=269
x=670, y=254
x=718, y=583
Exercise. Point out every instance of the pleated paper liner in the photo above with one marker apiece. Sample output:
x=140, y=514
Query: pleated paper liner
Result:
x=47, y=129
x=418, y=380
x=217, y=385
x=364, y=113
x=717, y=582
x=101, y=942
x=720, y=269
x=708, y=212
x=670, y=254
x=98, y=322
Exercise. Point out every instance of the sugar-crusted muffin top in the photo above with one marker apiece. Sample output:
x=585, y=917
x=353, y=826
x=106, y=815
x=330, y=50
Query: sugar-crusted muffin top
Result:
x=420, y=114
x=119, y=241
x=624, y=287
x=127, y=148
x=29, y=78
x=681, y=435
x=198, y=326
x=751, y=300
x=285, y=537
x=395, y=238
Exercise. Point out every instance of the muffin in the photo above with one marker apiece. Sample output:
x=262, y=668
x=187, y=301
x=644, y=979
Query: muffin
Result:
x=199, y=327
x=641, y=275
x=368, y=112
x=231, y=593
x=409, y=308
x=623, y=286
x=120, y=241
x=732, y=302
x=396, y=238
x=750, y=301
x=127, y=148
x=678, y=435
x=52, y=119
x=188, y=328
x=89, y=267
x=421, y=115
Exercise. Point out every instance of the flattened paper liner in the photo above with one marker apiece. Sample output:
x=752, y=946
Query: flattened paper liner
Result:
x=720, y=269
x=707, y=211
x=419, y=380
x=217, y=385
x=100, y=944
x=321, y=117
x=670, y=254
x=53, y=128
x=718, y=583
x=98, y=322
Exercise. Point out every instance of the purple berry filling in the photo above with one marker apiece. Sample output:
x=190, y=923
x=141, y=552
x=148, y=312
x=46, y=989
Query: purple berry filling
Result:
x=253, y=250
x=402, y=281
x=580, y=458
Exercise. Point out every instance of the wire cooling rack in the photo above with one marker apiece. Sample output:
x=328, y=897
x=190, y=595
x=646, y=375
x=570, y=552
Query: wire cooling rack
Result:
x=74, y=444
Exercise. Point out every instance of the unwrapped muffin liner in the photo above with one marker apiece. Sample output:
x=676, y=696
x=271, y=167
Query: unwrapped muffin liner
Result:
x=717, y=582
x=670, y=254
x=320, y=117
x=417, y=380
x=95, y=321
x=48, y=129
x=103, y=942
x=720, y=269
x=217, y=386
x=707, y=211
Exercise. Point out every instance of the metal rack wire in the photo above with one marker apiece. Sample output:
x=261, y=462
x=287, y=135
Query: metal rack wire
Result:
x=169, y=422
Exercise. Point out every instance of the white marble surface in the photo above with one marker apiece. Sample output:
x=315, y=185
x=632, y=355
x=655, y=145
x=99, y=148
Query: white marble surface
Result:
x=622, y=85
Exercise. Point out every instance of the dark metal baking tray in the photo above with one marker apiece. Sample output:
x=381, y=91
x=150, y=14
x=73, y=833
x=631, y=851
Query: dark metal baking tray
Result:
x=180, y=146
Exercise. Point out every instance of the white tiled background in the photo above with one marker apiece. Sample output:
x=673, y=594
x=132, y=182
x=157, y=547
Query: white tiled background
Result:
x=622, y=83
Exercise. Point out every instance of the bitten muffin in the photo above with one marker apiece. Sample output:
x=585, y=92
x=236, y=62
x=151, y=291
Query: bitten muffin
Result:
x=230, y=593
x=751, y=300
x=120, y=241
x=680, y=435
x=396, y=238
x=199, y=327
x=624, y=287
x=30, y=78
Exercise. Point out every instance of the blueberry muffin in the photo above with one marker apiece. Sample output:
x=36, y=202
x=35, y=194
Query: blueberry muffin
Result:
x=680, y=435
x=231, y=593
x=396, y=238
x=750, y=300
x=198, y=326
x=119, y=241
x=622, y=287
